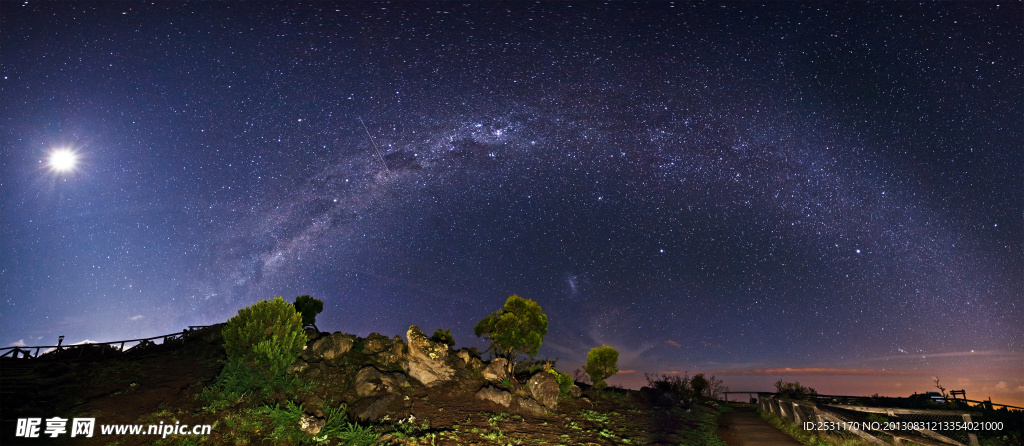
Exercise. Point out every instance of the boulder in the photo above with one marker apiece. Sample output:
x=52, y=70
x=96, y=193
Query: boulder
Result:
x=331, y=346
x=311, y=424
x=370, y=382
x=311, y=333
x=384, y=350
x=472, y=361
x=529, y=406
x=544, y=388
x=497, y=370
x=575, y=391
x=427, y=359
x=377, y=409
x=495, y=395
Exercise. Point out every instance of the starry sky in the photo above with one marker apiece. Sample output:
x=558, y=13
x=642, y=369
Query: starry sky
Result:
x=829, y=193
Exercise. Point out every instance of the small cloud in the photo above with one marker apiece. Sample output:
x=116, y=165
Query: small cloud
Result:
x=1001, y=386
x=897, y=385
x=963, y=381
x=1020, y=389
x=136, y=317
x=628, y=372
x=673, y=343
x=19, y=343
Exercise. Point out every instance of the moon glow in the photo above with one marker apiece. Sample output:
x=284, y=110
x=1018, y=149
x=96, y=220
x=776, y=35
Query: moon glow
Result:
x=63, y=160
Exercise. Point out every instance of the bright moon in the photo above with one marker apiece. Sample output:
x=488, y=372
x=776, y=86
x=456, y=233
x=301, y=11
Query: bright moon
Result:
x=63, y=160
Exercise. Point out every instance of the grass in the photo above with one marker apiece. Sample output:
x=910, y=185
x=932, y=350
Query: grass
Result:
x=705, y=420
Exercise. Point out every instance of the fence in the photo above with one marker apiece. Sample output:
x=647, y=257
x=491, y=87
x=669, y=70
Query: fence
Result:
x=871, y=423
x=25, y=352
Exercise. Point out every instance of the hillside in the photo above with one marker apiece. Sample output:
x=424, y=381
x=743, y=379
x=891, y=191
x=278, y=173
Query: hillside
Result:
x=369, y=390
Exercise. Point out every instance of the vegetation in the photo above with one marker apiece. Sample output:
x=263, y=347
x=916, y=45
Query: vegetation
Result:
x=266, y=336
x=518, y=328
x=601, y=364
x=684, y=389
x=308, y=307
x=793, y=390
x=443, y=336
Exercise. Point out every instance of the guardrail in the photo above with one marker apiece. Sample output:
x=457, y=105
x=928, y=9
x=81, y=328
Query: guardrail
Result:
x=25, y=352
x=855, y=419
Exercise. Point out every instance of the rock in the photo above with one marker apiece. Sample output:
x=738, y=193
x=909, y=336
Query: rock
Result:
x=376, y=343
x=472, y=361
x=371, y=382
x=544, y=388
x=298, y=367
x=575, y=391
x=310, y=424
x=311, y=333
x=332, y=346
x=497, y=370
x=495, y=395
x=527, y=405
x=426, y=361
x=377, y=409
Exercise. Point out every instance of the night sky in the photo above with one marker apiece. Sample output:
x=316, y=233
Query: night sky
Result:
x=730, y=188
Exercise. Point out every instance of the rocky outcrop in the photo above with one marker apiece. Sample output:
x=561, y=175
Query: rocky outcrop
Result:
x=544, y=388
x=496, y=371
x=377, y=409
x=371, y=382
x=427, y=359
x=330, y=347
x=495, y=395
x=384, y=350
x=471, y=361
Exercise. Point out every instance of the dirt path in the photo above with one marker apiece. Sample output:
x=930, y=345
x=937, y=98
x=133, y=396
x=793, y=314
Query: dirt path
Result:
x=743, y=427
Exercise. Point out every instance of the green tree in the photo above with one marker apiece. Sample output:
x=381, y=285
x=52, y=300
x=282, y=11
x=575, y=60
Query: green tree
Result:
x=266, y=336
x=443, y=336
x=309, y=307
x=518, y=328
x=601, y=364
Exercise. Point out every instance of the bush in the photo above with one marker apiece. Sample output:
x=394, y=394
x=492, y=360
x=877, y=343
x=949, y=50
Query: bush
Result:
x=793, y=390
x=309, y=307
x=267, y=336
x=443, y=336
x=519, y=327
x=565, y=383
x=601, y=364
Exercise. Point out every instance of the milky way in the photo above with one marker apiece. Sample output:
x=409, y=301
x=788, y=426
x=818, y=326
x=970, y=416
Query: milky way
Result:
x=712, y=187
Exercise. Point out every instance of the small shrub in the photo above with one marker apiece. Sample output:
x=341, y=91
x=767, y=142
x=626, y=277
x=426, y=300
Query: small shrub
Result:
x=601, y=364
x=309, y=307
x=565, y=383
x=443, y=336
x=266, y=336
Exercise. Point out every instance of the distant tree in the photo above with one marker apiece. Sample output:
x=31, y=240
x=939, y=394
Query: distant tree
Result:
x=601, y=364
x=793, y=390
x=443, y=336
x=309, y=307
x=699, y=385
x=518, y=328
